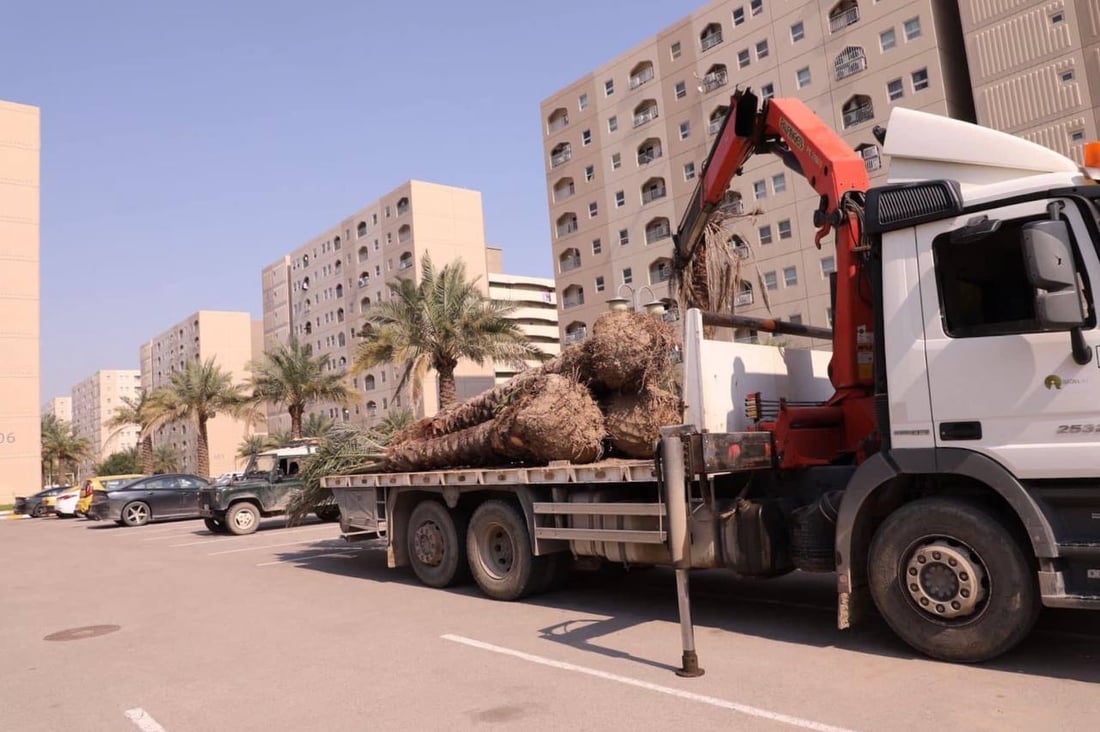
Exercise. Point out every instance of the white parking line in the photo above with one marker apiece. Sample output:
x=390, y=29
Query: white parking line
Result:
x=271, y=546
x=325, y=553
x=648, y=686
x=249, y=536
x=143, y=720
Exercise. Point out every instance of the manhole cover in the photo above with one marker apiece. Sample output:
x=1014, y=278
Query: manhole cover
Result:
x=87, y=631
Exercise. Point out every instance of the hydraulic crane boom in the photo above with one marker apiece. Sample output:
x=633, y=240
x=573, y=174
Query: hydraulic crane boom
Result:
x=788, y=128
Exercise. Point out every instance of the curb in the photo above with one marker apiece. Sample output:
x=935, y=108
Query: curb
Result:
x=13, y=516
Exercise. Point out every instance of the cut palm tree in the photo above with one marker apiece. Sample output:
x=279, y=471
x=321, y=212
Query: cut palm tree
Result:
x=634, y=420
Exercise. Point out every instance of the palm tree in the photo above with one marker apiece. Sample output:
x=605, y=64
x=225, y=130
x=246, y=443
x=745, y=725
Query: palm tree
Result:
x=290, y=375
x=317, y=425
x=61, y=447
x=146, y=414
x=166, y=459
x=437, y=323
x=278, y=438
x=251, y=444
x=198, y=393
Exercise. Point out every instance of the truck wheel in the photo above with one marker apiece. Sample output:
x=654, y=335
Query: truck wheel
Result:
x=214, y=525
x=499, y=549
x=242, y=518
x=135, y=514
x=952, y=581
x=328, y=513
x=435, y=544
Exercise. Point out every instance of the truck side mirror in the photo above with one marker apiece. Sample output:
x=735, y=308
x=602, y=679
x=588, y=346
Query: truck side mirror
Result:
x=1048, y=260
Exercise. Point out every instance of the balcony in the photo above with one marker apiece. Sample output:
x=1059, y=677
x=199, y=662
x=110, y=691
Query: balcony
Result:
x=714, y=125
x=710, y=40
x=561, y=158
x=576, y=336
x=652, y=194
x=734, y=206
x=641, y=77
x=646, y=115
x=857, y=114
x=714, y=80
x=657, y=233
x=743, y=299
x=843, y=19
x=567, y=227
x=573, y=299
x=570, y=263
x=849, y=63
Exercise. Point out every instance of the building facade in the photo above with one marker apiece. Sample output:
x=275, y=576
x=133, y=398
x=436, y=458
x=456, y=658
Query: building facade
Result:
x=20, y=415
x=93, y=403
x=536, y=313
x=232, y=339
x=625, y=144
x=1035, y=69
x=320, y=292
x=61, y=408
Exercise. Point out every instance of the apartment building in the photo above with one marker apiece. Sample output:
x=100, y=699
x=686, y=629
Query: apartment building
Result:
x=60, y=407
x=536, y=313
x=319, y=292
x=1035, y=69
x=232, y=339
x=20, y=415
x=93, y=404
x=626, y=143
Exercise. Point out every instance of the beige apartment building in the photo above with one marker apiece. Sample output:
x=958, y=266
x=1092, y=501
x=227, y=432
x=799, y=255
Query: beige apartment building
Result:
x=61, y=408
x=93, y=403
x=626, y=143
x=320, y=292
x=1035, y=69
x=536, y=312
x=20, y=415
x=232, y=339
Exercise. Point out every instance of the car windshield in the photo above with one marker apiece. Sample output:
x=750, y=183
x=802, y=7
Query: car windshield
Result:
x=261, y=465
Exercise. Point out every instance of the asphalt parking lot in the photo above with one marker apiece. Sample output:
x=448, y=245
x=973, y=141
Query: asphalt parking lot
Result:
x=169, y=627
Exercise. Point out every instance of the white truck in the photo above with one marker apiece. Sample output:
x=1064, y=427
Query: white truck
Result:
x=943, y=461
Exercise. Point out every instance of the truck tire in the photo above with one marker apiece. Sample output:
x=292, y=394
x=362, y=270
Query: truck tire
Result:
x=435, y=540
x=215, y=526
x=952, y=581
x=499, y=549
x=242, y=518
x=135, y=514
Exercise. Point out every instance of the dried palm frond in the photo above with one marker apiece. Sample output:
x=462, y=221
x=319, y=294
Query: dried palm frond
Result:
x=345, y=450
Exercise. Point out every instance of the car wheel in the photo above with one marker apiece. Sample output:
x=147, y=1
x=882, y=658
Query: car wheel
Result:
x=136, y=514
x=242, y=518
x=214, y=525
x=39, y=511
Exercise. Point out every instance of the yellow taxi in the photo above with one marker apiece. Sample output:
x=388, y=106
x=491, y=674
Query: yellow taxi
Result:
x=100, y=483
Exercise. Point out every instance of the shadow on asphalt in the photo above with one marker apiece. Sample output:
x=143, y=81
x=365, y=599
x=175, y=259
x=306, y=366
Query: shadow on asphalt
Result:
x=270, y=524
x=798, y=608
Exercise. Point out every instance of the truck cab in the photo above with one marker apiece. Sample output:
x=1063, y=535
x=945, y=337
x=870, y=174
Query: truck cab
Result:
x=236, y=503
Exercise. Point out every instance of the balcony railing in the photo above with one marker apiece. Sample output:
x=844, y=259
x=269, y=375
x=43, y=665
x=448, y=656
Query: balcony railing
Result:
x=711, y=40
x=743, y=298
x=558, y=123
x=570, y=263
x=641, y=77
x=714, y=80
x=364, y=282
x=656, y=233
x=649, y=155
x=742, y=251
x=560, y=194
x=572, y=301
x=840, y=21
x=652, y=194
x=734, y=207
x=715, y=125
x=647, y=115
x=404, y=264
x=567, y=228
x=860, y=113
x=575, y=336
x=561, y=158
x=661, y=274
x=848, y=68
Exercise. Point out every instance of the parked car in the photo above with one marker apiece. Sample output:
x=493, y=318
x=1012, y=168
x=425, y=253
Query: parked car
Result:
x=100, y=483
x=269, y=482
x=41, y=503
x=67, y=501
x=155, y=498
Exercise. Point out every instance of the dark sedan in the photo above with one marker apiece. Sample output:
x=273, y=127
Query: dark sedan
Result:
x=155, y=498
x=37, y=505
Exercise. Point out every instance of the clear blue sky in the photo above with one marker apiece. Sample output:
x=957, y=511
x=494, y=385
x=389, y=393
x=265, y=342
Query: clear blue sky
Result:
x=187, y=145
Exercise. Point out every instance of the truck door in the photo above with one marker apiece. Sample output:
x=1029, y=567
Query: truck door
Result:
x=999, y=384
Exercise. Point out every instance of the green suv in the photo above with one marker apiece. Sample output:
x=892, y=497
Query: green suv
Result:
x=236, y=503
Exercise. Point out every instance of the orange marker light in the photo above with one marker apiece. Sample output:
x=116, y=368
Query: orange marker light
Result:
x=1092, y=154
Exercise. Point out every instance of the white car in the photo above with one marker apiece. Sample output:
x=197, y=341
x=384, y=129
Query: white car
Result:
x=66, y=503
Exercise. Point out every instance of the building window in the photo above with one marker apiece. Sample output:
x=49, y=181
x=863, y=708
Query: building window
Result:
x=593, y=209
x=1057, y=18
x=586, y=138
x=738, y=15
x=620, y=199
x=828, y=265
x=575, y=332
x=857, y=110
x=649, y=151
x=624, y=237
x=660, y=271
x=641, y=74
x=675, y=50
x=920, y=80
x=765, y=233
x=790, y=276
x=795, y=319
x=870, y=155
x=599, y=284
x=743, y=59
x=887, y=40
x=715, y=77
x=402, y=209
x=681, y=90
x=628, y=275
x=850, y=61
x=405, y=261
x=767, y=91
x=895, y=90
x=361, y=230
x=1076, y=136
x=912, y=29
x=612, y=123
x=770, y=281
x=657, y=230
x=561, y=154
x=589, y=172
x=582, y=101
x=569, y=260
x=717, y=117
x=756, y=6
x=616, y=161
x=759, y=190
x=596, y=246
x=689, y=171
x=567, y=224
x=572, y=296
x=1066, y=76
x=685, y=130
x=761, y=49
x=404, y=233
x=653, y=189
x=563, y=189
x=710, y=37
x=779, y=182
x=798, y=32
x=784, y=228
x=609, y=87
x=645, y=112
x=803, y=77
x=844, y=14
